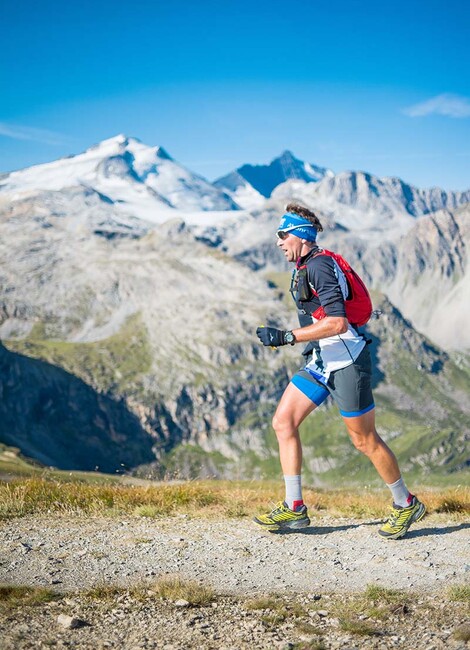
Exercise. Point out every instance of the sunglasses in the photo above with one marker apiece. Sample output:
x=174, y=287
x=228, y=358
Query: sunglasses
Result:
x=283, y=234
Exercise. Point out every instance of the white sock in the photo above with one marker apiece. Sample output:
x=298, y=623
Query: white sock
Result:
x=401, y=495
x=293, y=491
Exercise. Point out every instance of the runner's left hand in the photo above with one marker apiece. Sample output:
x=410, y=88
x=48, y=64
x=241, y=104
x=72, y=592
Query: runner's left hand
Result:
x=271, y=336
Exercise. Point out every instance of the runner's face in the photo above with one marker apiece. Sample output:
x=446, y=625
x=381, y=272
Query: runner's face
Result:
x=291, y=246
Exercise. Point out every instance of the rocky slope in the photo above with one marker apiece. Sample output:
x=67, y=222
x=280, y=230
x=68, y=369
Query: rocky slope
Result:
x=359, y=201
x=427, y=273
x=58, y=419
x=369, y=204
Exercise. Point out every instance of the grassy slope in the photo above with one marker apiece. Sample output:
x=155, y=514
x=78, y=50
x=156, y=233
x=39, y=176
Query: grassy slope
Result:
x=112, y=365
x=13, y=465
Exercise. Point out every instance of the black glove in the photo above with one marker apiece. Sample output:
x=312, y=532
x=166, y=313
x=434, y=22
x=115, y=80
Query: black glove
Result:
x=271, y=336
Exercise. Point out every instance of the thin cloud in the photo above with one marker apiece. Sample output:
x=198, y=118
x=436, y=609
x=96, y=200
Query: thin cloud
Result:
x=445, y=104
x=17, y=132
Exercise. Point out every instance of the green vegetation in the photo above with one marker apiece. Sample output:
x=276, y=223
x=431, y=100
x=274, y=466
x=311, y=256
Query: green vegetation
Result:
x=305, y=627
x=104, y=592
x=275, y=609
x=14, y=465
x=361, y=628
x=191, y=460
x=376, y=603
x=377, y=594
x=112, y=365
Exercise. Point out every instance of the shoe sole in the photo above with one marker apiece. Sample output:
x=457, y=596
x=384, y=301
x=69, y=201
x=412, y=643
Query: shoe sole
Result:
x=417, y=516
x=291, y=525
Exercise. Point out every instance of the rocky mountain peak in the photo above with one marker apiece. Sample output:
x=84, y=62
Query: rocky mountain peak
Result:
x=249, y=182
x=287, y=156
x=163, y=154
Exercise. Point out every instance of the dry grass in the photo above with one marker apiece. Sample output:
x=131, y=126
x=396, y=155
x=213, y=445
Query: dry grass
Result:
x=308, y=645
x=104, y=592
x=459, y=593
x=42, y=496
x=452, y=504
x=462, y=633
x=373, y=503
x=170, y=588
x=382, y=596
x=12, y=596
x=361, y=628
x=273, y=603
x=232, y=499
x=276, y=603
x=305, y=627
x=275, y=609
x=176, y=588
x=377, y=603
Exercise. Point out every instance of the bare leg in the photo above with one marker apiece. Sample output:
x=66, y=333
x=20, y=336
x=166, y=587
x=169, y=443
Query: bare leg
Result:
x=366, y=439
x=290, y=413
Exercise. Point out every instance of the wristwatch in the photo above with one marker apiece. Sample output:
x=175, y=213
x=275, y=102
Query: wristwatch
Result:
x=289, y=337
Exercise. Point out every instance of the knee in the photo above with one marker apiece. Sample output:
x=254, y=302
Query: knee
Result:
x=282, y=426
x=367, y=444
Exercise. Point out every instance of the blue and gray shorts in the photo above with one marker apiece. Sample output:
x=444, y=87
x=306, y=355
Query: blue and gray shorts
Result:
x=350, y=387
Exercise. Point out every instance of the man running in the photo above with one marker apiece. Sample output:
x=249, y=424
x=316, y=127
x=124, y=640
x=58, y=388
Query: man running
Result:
x=338, y=364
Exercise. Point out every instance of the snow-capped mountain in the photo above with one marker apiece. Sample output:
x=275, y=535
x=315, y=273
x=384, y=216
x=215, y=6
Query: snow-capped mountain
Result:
x=140, y=181
x=250, y=184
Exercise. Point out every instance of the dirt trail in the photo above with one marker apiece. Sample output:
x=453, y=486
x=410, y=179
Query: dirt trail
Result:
x=232, y=555
x=333, y=558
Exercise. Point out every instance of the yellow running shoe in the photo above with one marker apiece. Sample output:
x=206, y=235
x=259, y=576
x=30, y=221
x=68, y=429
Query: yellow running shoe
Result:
x=400, y=519
x=283, y=517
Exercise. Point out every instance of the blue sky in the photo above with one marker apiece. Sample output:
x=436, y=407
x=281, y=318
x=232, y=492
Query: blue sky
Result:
x=380, y=87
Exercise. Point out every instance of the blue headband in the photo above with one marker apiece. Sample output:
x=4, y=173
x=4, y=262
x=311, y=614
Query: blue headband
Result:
x=298, y=226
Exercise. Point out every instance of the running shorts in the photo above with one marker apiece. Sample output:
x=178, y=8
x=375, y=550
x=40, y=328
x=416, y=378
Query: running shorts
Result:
x=350, y=387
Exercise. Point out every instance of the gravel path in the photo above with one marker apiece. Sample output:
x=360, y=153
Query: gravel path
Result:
x=317, y=574
x=233, y=555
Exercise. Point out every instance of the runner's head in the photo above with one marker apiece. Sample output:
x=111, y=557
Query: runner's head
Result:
x=297, y=231
x=299, y=221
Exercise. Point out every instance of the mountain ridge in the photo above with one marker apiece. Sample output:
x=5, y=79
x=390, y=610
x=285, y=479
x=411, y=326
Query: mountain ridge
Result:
x=144, y=181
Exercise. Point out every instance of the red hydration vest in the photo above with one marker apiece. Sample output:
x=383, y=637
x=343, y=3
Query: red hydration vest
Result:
x=358, y=304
